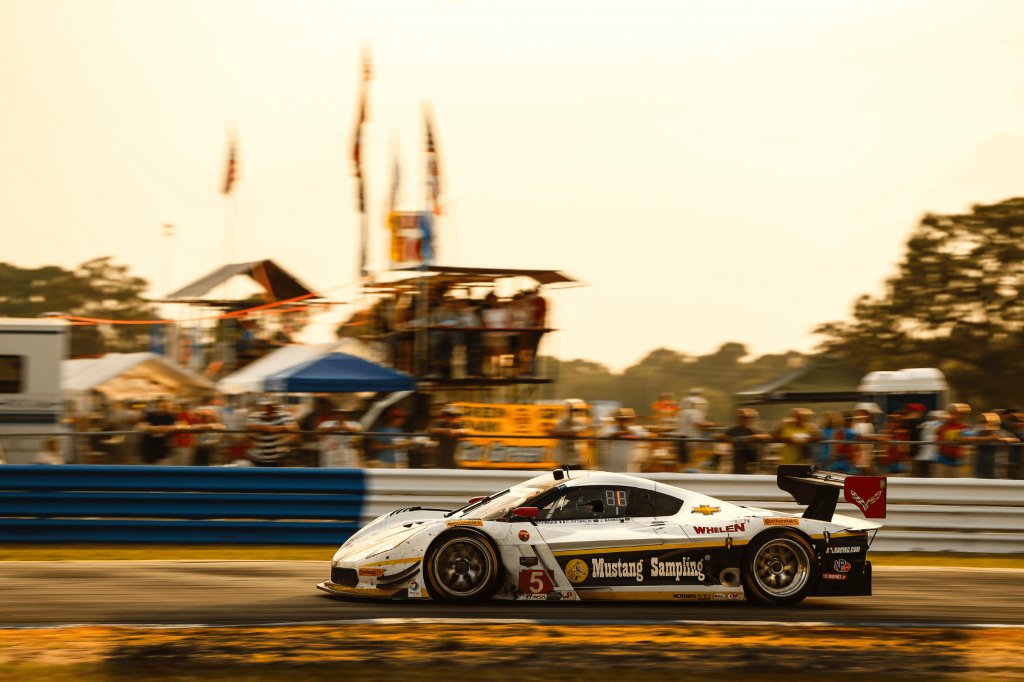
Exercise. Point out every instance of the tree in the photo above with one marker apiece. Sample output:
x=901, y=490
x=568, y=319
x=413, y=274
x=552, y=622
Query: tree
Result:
x=955, y=304
x=97, y=288
x=720, y=374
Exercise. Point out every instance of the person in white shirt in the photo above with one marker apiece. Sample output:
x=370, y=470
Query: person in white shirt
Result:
x=623, y=455
x=338, y=440
x=692, y=423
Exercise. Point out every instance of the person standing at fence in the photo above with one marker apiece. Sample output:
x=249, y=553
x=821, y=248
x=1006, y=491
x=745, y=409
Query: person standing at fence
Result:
x=470, y=336
x=209, y=435
x=929, y=451
x=692, y=424
x=308, y=425
x=1014, y=423
x=831, y=425
x=273, y=430
x=626, y=451
x=949, y=433
x=388, y=450
x=989, y=438
x=338, y=434
x=797, y=432
x=50, y=452
x=447, y=429
x=156, y=426
x=864, y=430
x=745, y=438
x=573, y=427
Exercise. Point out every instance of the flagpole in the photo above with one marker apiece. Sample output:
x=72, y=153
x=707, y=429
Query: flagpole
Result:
x=230, y=204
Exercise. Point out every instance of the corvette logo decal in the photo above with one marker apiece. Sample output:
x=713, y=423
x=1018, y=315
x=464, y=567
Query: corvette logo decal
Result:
x=705, y=510
x=866, y=492
x=861, y=503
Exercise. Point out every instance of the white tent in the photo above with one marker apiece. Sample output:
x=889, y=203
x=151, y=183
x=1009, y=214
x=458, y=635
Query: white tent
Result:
x=130, y=376
x=250, y=378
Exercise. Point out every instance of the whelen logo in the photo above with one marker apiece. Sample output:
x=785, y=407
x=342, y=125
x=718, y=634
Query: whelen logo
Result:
x=711, y=530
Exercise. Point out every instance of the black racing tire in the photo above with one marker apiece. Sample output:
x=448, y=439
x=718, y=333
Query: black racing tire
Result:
x=779, y=568
x=462, y=565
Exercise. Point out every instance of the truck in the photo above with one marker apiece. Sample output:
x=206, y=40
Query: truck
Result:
x=31, y=353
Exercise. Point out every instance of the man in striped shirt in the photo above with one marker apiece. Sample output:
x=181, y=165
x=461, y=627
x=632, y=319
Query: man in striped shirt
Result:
x=273, y=431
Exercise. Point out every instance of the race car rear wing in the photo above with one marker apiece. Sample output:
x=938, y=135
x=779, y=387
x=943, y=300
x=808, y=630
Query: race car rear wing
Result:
x=819, y=490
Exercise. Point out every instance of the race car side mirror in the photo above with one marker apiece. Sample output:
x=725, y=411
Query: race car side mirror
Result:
x=526, y=512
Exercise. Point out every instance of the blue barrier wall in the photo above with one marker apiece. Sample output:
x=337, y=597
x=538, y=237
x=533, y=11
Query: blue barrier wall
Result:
x=232, y=505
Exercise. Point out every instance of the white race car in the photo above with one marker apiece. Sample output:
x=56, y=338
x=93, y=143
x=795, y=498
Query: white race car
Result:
x=583, y=535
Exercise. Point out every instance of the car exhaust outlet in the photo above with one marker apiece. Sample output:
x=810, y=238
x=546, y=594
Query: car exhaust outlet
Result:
x=730, y=577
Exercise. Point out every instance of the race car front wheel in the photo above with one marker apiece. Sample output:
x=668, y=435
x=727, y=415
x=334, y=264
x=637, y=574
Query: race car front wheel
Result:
x=779, y=568
x=462, y=566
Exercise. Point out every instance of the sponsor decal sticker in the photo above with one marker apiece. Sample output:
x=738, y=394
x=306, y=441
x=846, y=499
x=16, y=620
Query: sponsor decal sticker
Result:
x=465, y=522
x=576, y=571
x=834, y=576
x=686, y=568
x=536, y=581
x=691, y=596
x=706, y=510
x=414, y=588
x=842, y=566
x=843, y=550
x=866, y=492
x=524, y=535
x=780, y=521
x=710, y=530
x=375, y=572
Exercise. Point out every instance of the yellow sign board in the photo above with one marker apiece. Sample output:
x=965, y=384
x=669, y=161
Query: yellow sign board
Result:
x=492, y=443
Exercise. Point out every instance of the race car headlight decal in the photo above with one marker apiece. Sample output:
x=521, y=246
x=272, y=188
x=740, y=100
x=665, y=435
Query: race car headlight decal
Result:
x=389, y=544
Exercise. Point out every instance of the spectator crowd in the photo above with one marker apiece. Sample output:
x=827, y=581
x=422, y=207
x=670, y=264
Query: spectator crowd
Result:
x=466, y=337
x=911, y=441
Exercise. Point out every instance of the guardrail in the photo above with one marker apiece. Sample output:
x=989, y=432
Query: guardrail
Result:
x=230, y=505
x=238, y=505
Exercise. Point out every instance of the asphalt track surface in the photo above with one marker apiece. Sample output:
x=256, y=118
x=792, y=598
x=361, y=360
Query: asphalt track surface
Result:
x=34, y=593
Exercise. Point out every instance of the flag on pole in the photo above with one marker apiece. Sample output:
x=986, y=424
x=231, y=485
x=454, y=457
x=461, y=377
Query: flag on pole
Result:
x=357, y=143
x=231, y=172
x=433, y=165
x=396, y=179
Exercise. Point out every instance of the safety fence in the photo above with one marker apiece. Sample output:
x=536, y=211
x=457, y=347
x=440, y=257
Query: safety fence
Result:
x=325, y=506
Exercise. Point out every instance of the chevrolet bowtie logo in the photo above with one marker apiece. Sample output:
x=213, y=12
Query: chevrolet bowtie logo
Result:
x=706, y=510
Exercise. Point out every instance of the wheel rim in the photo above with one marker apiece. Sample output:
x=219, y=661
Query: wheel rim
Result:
x=782, y=567
x=463, y=566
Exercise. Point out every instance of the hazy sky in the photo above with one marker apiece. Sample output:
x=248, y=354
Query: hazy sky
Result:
x=713, y=171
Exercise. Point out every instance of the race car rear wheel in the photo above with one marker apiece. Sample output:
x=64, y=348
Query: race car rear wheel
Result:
x=779, y=568
x=462, y=566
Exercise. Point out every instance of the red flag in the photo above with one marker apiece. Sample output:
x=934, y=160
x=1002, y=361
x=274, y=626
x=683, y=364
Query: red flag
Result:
x=231, y=172
x=433, y=165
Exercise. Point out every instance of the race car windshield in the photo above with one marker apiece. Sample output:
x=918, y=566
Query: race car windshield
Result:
x=499, y=504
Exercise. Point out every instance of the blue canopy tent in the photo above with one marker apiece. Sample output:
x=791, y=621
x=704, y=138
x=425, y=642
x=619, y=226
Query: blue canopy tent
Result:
x=338, y=373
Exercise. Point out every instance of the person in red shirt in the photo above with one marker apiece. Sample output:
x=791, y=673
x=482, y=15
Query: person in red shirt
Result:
x=950, y=455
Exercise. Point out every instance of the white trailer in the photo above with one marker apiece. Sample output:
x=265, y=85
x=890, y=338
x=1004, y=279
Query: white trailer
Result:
x=31, y=352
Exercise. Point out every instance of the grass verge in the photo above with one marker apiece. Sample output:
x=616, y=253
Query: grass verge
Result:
x=499, y=652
